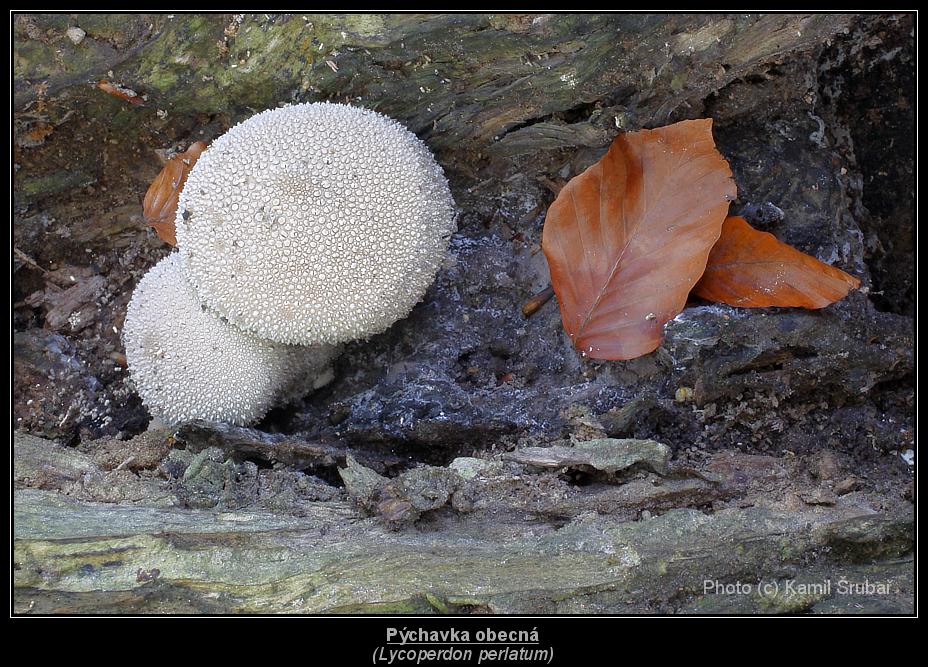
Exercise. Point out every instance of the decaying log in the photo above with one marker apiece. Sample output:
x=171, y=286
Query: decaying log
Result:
x=78, y=556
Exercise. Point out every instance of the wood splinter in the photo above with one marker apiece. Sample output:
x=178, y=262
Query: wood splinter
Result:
x=532, y=305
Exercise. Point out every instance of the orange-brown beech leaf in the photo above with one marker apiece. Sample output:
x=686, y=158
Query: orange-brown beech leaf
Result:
x=160, y=204
x=752, y=269
x=628, y=238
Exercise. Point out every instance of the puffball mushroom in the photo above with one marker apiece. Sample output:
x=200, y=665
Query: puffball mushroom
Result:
x=187, y=363
x=314, y=223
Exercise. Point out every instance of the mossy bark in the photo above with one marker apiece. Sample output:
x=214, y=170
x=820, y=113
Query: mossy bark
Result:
x=483, y=82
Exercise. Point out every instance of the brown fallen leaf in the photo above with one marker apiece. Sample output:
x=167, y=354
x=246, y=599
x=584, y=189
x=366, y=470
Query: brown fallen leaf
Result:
x=752, y=269
x=628, y=238
x=35, y=135
x=160, y=204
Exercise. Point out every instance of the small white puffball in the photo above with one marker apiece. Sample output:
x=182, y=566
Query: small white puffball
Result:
x=188, y=363
x=314, y=223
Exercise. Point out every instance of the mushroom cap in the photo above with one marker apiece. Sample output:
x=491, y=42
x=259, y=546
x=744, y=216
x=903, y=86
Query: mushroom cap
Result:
x=314, y=223
x=187, y=363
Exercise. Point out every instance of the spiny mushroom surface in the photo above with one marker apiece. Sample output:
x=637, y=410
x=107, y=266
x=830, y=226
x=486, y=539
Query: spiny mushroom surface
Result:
x=314, y=223
x=187, y=363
